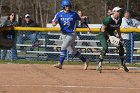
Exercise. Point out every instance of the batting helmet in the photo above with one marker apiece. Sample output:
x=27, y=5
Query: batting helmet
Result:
x=66, y=3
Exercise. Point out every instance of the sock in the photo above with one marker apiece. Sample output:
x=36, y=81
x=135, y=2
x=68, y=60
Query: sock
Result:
x=77, y=54
x=82, y=58
x=100, y=60
x=62, y=56
x=101, y=57
x=122, y=61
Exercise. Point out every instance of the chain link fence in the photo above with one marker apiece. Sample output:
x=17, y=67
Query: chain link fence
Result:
x=47, y=46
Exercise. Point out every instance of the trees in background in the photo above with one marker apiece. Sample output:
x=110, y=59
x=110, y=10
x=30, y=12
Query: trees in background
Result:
x=42, y=11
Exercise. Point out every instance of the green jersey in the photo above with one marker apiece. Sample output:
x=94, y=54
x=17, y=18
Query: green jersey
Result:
x=111, y=24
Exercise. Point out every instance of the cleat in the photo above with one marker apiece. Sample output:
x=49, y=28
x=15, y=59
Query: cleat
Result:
x=86, y=64
x=99, y=67
x=125, y=68
x=58, y=66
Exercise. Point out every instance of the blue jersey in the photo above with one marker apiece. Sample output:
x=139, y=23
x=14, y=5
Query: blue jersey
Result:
x=67, y=21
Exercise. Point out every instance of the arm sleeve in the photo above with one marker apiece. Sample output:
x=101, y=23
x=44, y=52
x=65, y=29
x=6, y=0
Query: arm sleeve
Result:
x=105, y=22
x=56, y=18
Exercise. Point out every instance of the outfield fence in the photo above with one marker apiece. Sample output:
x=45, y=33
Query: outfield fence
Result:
x=45, y=44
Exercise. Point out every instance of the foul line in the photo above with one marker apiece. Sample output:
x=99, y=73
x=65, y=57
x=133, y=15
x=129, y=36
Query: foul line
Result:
x=59, y=86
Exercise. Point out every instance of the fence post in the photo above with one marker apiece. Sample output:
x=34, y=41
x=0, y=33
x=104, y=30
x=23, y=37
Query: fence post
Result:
x=132, y=47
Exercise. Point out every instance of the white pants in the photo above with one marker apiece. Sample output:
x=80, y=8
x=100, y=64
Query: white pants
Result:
x=68, y=42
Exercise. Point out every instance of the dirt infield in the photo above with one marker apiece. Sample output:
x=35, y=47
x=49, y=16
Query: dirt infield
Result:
x=31, y=78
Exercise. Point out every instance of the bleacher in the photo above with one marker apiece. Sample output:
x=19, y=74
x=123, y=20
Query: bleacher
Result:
x=87, y=43
x=50, y=48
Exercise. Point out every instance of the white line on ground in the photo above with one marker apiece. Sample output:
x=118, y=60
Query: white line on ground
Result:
x=59, y=86
x=134, y=68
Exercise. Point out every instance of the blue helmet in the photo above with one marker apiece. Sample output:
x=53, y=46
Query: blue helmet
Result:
x=65, y=3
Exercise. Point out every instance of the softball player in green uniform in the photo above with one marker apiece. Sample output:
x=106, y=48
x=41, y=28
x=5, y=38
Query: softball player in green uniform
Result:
x=110, y=24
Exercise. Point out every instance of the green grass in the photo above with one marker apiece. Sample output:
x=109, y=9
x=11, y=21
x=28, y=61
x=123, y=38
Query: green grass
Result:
x=65, y=63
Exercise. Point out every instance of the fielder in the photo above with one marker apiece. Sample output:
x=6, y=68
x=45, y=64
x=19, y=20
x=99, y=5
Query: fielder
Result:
x=110, y=24
x=67, y=20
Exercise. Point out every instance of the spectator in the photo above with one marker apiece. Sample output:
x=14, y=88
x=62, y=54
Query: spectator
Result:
x=82, y=24
x=127, y=22
x=11, y=21
x=136, y=23
x=28, y=35
x=109, y=13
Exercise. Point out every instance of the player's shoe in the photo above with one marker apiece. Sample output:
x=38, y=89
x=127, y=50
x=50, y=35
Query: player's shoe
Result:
x=99, y=67
x=86, y=64
x=58, y=66
x=125, y=68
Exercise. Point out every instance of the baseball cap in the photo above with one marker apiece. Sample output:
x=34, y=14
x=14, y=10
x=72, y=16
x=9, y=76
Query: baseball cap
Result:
x=27, y=16
x=116, y=9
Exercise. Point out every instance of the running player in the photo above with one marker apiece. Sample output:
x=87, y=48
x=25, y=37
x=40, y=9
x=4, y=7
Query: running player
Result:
x=110, y=24
x=67, y=20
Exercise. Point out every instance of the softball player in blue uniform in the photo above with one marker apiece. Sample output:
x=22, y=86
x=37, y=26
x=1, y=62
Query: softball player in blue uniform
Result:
x=67, y=21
